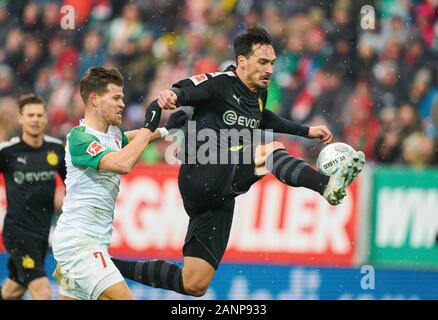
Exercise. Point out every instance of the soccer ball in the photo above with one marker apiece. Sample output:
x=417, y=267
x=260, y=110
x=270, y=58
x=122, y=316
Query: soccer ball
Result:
x=332, y=156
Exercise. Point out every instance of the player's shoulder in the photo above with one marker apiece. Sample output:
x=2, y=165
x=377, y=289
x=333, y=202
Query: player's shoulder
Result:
x=79, y=135
x=212, y=78
x=53, y=140
x=10, y=143
x=220, y=75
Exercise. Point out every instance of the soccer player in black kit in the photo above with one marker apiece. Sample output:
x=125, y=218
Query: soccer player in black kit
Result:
x=29, y=163
x=234, y=99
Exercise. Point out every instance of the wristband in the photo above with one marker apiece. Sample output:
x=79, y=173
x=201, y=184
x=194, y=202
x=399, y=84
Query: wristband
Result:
x=163, y=132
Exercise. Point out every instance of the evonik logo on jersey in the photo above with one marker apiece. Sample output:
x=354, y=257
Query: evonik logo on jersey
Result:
x=208, y=146
x=230, y=118
x=95, y=148
x=32, y=177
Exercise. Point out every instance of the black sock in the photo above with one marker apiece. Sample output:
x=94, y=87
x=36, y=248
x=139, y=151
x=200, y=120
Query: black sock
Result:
x=295, y=172
x=154, y=273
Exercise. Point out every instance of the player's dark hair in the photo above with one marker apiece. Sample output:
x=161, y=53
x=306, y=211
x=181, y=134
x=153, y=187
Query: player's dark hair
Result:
x=96, y=79
x=243, y=42
x=30, y=98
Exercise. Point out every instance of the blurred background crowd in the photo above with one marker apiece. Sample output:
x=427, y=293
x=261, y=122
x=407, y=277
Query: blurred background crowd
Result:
x=377, y=90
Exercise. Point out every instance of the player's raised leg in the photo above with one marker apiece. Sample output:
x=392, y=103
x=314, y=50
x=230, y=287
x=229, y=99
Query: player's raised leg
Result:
x=297, y=173
x=339, y=181
x=290, y=170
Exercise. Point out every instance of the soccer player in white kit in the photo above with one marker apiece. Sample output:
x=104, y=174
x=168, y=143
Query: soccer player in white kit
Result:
x=97, y=153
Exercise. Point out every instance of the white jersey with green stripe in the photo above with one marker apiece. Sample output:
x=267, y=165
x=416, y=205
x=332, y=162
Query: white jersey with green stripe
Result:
x=91, y=194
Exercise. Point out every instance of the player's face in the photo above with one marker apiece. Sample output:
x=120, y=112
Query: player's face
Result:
x=111, y=105
x=260, y=66
x=33, y=119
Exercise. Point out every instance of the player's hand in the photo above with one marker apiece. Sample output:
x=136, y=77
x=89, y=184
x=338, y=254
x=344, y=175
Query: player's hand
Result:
x=167, y=99
x=152, y=116
x=322, y=133
x=176, y=120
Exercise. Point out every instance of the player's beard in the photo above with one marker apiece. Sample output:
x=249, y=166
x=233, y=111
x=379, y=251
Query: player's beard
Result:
x=117, y=121
x=258, y=81
x=113, y=119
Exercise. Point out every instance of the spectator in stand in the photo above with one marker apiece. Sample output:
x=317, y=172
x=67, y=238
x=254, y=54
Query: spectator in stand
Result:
x=386, y=87
x=93, y=52
x=362, y=126
x=409, y=122
x=13, y=46
x=418, y=151
x=387, y=148
x=50, y=20
x=123, y=32
x=32, y=60
x=6, y=81
x=31, y=22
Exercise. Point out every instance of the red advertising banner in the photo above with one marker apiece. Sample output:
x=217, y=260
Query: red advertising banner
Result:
x=273, y=223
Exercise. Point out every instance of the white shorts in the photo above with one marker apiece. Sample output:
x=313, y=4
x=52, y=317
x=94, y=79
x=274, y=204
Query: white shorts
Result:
x=85, y=268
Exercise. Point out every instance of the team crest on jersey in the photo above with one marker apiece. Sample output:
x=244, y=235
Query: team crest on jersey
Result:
x=28, y=262
x=52, y=158
x=198, y=79
x=95, y=148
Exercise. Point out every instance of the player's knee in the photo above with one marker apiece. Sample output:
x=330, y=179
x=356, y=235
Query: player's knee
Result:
x=44, y=294
x=195, y=288
x=12, y=294
x=265, y=150
x=40, y=289
x=277, y=145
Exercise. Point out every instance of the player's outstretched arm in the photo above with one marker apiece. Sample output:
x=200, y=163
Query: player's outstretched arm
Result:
x=279, y=124
x=185, y=93
x=123, y=161
x=133, y=133
x=270, y=120
x=176, y=121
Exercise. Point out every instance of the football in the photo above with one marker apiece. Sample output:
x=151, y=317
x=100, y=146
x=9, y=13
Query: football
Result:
x=331, y=157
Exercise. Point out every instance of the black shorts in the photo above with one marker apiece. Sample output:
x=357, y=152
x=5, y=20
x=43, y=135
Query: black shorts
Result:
x=209, y=193
x=27, y=254
x=208, y=233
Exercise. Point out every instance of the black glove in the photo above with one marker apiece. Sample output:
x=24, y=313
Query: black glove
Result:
x=152, y=116
x=176, y=120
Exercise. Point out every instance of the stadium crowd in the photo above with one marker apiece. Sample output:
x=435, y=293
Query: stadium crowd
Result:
x=377, y=90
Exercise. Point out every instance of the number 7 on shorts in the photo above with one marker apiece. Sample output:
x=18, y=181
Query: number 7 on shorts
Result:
x=97, y=254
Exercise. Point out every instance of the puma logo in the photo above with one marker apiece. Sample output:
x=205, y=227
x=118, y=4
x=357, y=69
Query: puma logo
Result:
x=237, y=98
x=22, y=160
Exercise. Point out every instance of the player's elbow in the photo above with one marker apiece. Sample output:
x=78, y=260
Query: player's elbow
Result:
x=124, y=169
x=115, y=167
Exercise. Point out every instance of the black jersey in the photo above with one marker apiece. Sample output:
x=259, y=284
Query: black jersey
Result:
x=30, y=175
x=225, y=105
